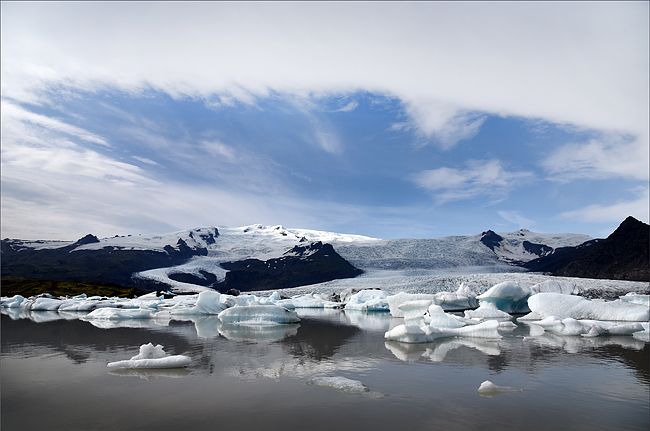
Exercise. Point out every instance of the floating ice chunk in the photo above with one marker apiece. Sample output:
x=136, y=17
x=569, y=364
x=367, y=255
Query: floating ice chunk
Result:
x=46, y=304
x=636, y=298
x=306, y=301
x=151, y=356
x=562, y=306
x=462, y=299
x=368, y=300
x=258, y=315
x=507, y=296
x=440, y=319
x=394, y=301
x=414, y=310
x=12, y=302
x=425, y=334
x=208, y=302
x=110, y=313
x=340, y=383
x=487, y=310
x=487, y=388
x=530, y=316
x=85, y=305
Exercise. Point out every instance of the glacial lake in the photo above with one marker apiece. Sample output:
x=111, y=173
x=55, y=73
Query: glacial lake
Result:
x=54, y=377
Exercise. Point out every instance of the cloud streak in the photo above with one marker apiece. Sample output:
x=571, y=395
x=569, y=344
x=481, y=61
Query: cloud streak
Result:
x=478, y=178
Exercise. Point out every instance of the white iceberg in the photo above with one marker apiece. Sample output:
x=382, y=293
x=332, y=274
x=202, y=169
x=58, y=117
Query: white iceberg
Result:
x=84, y=305
x=487, y=310
x=368, y=300
x=487, y=388
x=151, y=356
x=507, y=296
x=46, y=304
x=394, y=301
x=565, y=287
x=258, y=315
x=462, y=299
x=425, y=333
x=110, y=313
x=636, y=298
x=579, y=308
x=12, y=302
x=309, y=300
x=439, y=319
x=207, y=302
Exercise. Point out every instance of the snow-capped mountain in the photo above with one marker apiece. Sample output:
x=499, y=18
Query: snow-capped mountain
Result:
x=202, y=258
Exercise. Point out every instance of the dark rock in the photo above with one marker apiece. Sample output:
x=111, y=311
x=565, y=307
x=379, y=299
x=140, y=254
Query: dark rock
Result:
x=538, y=249
x=302, y=265
x=88, y=239
x=233, y=292
x=624, y=255
x=491, y=239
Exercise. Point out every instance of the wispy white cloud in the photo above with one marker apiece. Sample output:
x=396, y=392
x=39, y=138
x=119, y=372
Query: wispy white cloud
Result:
x=478, y=178
x=509, y=64
x=349, y=107
x=516, y=218
x=604, y=157
x=219, y=149
x=637, y=206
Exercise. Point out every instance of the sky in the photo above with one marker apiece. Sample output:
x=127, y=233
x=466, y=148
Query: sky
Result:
x=383, y=119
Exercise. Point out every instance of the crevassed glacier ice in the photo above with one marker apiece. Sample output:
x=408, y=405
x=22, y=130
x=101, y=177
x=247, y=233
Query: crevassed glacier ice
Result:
x=151, y=356
x=368, y=300
x=258, y=315
x=508, y=296
x=577, y=307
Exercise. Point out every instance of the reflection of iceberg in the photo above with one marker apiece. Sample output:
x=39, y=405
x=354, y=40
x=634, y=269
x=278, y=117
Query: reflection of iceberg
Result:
x=439, y=351
x=15, y=313
x=573, y=344
x=146, y=374
x=110, y=313
x=206, y=326
x=369, y=321
x=261, y=333
x=44, y=316
x=405, y=352
x=128, y=323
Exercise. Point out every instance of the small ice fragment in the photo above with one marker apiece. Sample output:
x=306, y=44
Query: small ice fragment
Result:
x=339, y=383
x=487, y=388
x=151, y=356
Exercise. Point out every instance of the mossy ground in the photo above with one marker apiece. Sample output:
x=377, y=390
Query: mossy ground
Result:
x=10, y=286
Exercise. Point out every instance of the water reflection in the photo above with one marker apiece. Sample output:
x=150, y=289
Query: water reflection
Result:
x=577, y=344
x=148, y=374
x=258, y=333
x=438, y=350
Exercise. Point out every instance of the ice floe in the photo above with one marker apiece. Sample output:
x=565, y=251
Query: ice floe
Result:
x=258, y=315
x=487, y=388
x=424, y=333
x=368, y=300
x=576, y=307
x=151, y=356
x=508, y=296
x=344, y=384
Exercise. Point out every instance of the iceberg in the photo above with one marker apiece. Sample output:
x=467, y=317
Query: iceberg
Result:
x=636, y=298
x=306, y=301
x=487, y=388
x=258, y=315
x=46, y=304
x=368, y=300
x=110, y=313
x=425, y=333
x=579, y=308
x=556, y=286
x=207, y=302
x=462, y=299
x=12, y=302
x=394, y=301
x=487, y=310
x=439, y=319
x=151, y=356
x=507, y=296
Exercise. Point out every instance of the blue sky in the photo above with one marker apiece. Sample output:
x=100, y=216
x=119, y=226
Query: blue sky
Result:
x=253, y=132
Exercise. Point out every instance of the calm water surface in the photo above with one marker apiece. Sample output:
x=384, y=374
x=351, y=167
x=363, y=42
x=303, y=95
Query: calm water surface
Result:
x=54, y=377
